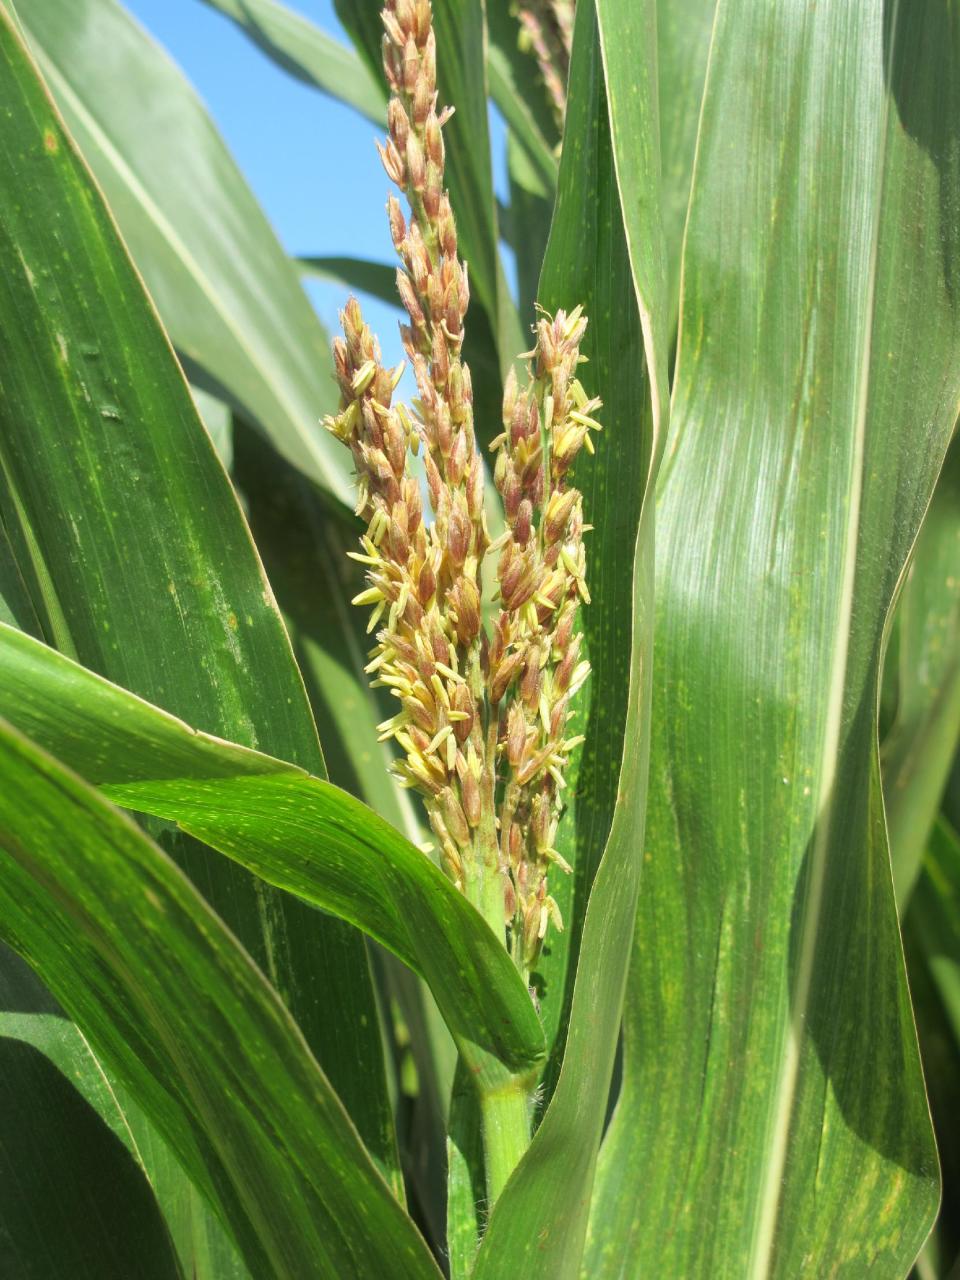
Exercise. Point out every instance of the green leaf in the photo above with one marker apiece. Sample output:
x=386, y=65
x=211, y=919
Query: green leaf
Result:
x=226, y=290
x=917, y=753
x=173, y=1004
x=308, y=53
x=931, y=935
x=296, y=832
x=684, y=28
x=524, y=128
x=76, y=1202
x=531, y=206
x=46, y=1058
x=379, y=279
x=516, y=86
x=538, y=1223
x=588, y=260
x=772, y=1119
x=134, y=553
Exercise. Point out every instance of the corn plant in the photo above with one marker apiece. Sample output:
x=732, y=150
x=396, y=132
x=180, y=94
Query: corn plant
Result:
x=439, y=836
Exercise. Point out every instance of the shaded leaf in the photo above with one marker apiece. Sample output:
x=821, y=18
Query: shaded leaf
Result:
x=917, y=754
x=176, y=1008
x=60, y=1070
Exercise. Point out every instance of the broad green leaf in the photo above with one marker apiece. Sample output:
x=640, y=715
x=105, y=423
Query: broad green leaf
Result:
x=589, y=261
x=539, y=1221
x=134, y=553
x=93, y=1117
x=223, y=284
x=772, y=1119
x=295, y=831
x=308, y=53
x=917, y=754
x=173, y=1004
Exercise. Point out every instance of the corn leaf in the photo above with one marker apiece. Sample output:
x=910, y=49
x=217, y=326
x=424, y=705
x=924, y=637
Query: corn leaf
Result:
x=538, y=1223
x=173, y=1004
x=77, y=1193
x=76, y=1200
x=594, y=255
x=524, y=128
x=683, y=43
x=772, y=1120
x=225, y=288
x=308, y=53
x=917, y=753
x=931, y=936
x=134, y=554
x=295, y=831
x=376, y=278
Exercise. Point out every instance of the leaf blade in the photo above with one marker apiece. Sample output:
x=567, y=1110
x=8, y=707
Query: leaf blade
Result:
x=170, y=999
x=767, y=902
x=133, y=549
x=540, y=1219
x=297, y=832
x=226, y=290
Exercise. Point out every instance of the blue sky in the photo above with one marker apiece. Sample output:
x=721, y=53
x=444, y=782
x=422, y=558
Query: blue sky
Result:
x=311, y=162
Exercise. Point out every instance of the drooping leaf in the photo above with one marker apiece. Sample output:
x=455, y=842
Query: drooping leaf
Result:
x=175, y=1007
x=917, y=753
x=226, y=290
x=295, y=831
x=376, y=278
x=772, y=1118
x=308, y=53
x=133, y=551
x=597, y=257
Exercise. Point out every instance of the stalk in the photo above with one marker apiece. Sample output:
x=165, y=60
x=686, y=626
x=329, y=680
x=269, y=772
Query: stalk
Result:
x=505, y=1115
